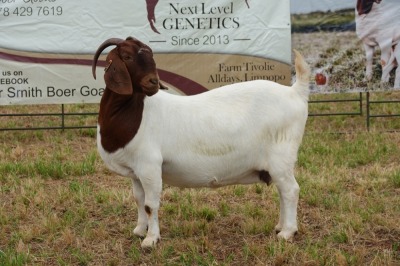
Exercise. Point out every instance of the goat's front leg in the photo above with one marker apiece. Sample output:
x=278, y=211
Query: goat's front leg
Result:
x=369, y=53
x=152, y=186
x=139, y=196
x=289, y=196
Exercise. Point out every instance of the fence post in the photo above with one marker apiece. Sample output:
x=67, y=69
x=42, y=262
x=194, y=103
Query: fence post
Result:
x=62, y=117
x=368, y=111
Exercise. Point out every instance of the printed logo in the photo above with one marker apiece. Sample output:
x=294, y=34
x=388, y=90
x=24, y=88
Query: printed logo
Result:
x=151, y=16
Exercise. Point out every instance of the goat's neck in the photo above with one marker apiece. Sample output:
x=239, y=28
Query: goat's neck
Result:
x=119, y=119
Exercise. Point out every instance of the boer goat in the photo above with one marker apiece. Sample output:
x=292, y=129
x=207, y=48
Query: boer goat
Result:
x=238, y=134
x=377, y=25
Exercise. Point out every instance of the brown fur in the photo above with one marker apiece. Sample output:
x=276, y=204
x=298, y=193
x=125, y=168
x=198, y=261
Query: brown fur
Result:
x=119, y=119
x=130, y=76
x=147, y=209
x=365, y=6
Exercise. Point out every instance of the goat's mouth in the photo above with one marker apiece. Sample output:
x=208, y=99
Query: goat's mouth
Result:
x=150, y=84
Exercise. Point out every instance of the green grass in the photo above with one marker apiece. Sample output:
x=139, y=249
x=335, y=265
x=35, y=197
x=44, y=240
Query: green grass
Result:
x=59, y=205
x=348, y=213
x=321, y=19
x=13, y=258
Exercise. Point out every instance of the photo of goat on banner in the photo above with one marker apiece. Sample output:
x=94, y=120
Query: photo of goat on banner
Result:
x=352, y=45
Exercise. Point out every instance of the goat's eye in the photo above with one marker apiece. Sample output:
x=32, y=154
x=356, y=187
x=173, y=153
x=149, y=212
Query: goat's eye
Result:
x=127, y=58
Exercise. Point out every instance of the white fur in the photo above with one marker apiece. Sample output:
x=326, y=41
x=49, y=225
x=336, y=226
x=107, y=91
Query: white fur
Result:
x=221, y=137
x=393, y=60
x=380, y=27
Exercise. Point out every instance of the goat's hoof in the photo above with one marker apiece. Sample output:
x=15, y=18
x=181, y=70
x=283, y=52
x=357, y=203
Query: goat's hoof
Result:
x=150, y=242
x=287, y=235
x=278, y=228
x=140, y=231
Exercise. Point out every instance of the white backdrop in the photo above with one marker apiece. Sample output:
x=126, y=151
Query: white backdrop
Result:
x=46, y=46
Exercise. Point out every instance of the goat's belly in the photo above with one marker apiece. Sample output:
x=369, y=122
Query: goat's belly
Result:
x=213, y=166
x=192, y=178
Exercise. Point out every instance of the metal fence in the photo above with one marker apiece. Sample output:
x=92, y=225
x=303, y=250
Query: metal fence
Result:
x=62, y=115
x=370, y=103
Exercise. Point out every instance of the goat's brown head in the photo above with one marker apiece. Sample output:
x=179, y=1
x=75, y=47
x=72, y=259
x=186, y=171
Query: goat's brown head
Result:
x=130, y=68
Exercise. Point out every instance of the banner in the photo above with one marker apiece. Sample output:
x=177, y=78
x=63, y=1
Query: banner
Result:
x=352, y=46
x=46, y=46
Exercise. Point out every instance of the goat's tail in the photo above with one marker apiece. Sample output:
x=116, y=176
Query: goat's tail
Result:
x=303, y=74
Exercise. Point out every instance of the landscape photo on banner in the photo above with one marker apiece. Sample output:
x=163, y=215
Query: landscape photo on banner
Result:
x=46, y=47
x=352, y=46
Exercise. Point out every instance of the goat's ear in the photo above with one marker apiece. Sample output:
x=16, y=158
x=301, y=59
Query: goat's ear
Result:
x=163, y=87
x=117, y=76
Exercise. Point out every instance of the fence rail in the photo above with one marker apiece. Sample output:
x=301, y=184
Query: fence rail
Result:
x=63, y=115
x=359, y=100
x=376, y=102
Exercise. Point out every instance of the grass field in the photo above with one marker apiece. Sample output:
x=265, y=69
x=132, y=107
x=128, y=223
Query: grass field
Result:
x=60, y=206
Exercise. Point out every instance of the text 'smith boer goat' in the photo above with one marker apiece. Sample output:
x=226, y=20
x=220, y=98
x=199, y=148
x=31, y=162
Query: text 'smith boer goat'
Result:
x=238, y=134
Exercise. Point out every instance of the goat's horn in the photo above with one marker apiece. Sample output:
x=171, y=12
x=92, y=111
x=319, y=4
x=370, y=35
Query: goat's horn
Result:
x=104, y=45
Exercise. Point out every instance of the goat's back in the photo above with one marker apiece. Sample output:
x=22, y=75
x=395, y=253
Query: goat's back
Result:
x=227, y=111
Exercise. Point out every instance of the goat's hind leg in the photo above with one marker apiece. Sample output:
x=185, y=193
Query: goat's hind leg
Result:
x=397, y=80
x=139, y=196
x=393, y=63
x=397, y=55
x=289, y=196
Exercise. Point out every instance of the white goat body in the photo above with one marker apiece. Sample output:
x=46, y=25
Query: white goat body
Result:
x=237, y=134
x=216, y=138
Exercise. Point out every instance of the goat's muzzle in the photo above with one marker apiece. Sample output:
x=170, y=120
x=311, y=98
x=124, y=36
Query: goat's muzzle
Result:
x=150, y=84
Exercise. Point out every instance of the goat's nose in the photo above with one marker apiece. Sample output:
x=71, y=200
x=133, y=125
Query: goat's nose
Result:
x=154, y=81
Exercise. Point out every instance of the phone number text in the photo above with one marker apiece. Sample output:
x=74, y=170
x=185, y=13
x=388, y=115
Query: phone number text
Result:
x=31, y=11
